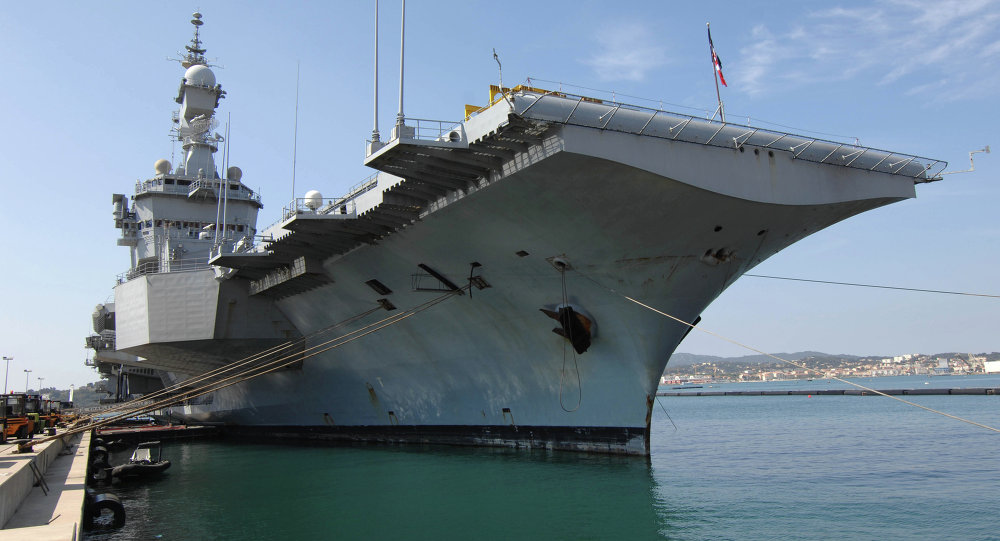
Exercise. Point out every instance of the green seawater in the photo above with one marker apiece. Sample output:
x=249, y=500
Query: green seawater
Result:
x=769, y=467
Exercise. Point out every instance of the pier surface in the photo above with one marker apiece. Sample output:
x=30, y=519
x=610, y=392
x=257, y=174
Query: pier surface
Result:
x=27, y=511
x=853, y=392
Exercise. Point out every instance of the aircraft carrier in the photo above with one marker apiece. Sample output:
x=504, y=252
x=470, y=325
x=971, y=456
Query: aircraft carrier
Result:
x=493, y=282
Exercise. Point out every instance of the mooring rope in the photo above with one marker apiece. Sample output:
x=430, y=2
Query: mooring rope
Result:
x=874, y=286
x=233, y=365
x=775, y=357
x=252, y=372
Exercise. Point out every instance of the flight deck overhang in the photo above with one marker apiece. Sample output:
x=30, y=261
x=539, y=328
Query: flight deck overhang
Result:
x=423, y=173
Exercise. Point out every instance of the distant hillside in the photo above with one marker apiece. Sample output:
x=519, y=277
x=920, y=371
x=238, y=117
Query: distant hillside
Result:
x=688, y=359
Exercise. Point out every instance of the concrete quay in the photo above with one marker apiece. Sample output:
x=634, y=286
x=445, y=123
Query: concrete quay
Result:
x=26, y=512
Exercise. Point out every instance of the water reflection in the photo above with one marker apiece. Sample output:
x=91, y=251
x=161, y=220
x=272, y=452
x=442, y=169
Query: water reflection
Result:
x=763, y=467
x=233, y=490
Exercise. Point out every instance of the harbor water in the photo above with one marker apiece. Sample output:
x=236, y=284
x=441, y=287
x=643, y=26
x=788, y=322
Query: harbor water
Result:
x=722, y=467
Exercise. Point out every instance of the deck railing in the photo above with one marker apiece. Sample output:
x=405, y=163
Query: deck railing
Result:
x=160, y=267
x=158, y=185
x=431, y=130
x=614, y=116
x=344, y=205
x=324, y=206
x=99, y=342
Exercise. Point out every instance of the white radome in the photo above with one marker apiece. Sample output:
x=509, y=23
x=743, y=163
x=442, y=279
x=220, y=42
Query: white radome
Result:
x=313, y=199
x=162, y=166
x=199, y=75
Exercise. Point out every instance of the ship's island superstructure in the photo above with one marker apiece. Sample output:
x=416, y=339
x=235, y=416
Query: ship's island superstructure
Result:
x=514, y=243
x=170, y=311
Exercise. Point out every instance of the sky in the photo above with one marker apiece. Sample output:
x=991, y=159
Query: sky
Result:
x=88, y=92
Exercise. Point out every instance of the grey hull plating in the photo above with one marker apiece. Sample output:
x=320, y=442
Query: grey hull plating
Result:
x=491, y=358
x=610, y=440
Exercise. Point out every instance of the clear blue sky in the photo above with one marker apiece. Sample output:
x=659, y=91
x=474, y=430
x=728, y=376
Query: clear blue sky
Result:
x=88, y=94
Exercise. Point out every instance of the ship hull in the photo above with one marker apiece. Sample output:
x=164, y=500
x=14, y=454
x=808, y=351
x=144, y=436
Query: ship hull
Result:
x=520, y=278
x=599, y=439
x=486, y=367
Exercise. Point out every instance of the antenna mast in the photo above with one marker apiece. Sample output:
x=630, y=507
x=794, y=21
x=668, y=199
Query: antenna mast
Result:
x=223, y=184
x=295, y=135
x=196, y=53
x=225, y=191
x=375, y=136
x=402, y=35
x=499, y=67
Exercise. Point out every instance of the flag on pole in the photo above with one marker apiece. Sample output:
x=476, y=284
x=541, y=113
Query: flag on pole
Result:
x=715, y=59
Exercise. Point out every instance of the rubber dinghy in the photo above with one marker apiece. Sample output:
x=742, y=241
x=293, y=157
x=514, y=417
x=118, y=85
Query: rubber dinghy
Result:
x=146, y=461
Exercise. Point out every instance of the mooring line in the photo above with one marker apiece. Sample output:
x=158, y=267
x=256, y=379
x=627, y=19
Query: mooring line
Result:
x=665, y=412
x=874, y=286
x=288, y=360
x=238, y=363
x=253, y=372
x=775, y=357
x=261, y=355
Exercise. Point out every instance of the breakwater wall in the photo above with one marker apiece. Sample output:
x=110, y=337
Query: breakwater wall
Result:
x=854, y=392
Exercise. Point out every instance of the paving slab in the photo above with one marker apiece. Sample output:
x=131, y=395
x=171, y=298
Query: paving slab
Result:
x=42, y=516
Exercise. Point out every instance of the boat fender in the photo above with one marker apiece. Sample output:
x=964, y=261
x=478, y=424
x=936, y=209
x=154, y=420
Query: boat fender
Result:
x=116, y=445
x=99, y=453
x=100, y=472
x=95, y=508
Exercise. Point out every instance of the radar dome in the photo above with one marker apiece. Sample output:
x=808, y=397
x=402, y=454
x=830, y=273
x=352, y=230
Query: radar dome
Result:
x=234, y=173
x=199, y=75
x=313, y=199
x=162, y=167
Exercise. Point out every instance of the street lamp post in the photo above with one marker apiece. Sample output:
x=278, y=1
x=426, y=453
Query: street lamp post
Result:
x=5, y=372
x=40, y=385
x=27, y=374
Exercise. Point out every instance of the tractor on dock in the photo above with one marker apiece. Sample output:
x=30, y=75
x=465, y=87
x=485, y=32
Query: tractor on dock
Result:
x=50, y=412
x=33, y=407
x=16, y=421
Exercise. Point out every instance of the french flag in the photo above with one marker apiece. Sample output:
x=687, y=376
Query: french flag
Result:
x=715, y=59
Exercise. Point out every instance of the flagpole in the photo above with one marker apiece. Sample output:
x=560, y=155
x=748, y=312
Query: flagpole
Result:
x=715, y=74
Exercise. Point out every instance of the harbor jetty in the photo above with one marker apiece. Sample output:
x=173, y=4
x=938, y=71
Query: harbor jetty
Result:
x=42, y=492
x=855, y=392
